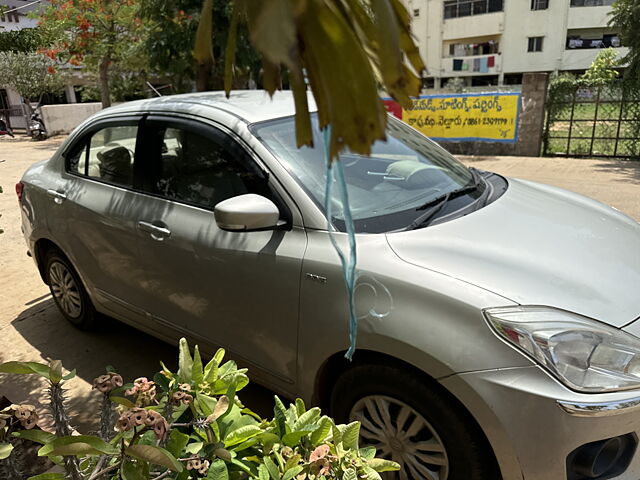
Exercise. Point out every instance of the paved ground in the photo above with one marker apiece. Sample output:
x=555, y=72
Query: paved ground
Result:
x=32, y=330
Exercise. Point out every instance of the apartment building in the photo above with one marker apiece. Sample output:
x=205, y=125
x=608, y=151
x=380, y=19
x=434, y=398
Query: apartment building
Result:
x=493, y=42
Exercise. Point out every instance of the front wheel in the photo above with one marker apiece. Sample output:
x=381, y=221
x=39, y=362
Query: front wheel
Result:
x=68, y=292
x=414, y=423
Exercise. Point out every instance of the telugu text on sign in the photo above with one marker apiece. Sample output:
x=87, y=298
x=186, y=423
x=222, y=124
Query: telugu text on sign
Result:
x=466, y=117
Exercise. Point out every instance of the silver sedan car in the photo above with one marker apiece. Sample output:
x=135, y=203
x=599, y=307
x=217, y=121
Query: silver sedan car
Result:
x=498, y=318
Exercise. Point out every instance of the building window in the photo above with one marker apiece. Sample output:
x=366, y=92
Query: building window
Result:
x=416, y=12
x=535, y=44
x=465, y=8
x=591, y=3
x=595, y=40
x=539, y=4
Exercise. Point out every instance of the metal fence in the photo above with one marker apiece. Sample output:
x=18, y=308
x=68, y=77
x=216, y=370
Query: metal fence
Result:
x=594, y=122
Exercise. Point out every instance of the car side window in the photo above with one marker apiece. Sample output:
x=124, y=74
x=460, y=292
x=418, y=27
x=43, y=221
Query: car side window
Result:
x=202, y=170
x=111, y=154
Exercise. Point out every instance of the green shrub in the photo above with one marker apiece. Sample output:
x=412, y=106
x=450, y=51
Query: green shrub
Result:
x=185, y=425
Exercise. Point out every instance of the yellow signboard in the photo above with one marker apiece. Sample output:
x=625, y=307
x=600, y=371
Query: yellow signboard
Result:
x=466, y=117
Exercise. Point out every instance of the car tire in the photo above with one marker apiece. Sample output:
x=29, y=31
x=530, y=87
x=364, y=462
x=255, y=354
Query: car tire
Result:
x=447, y=440
x=68, y=291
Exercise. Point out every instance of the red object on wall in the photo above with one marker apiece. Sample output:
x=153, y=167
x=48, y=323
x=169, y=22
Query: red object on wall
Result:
x=394, y=108
x=491, y=61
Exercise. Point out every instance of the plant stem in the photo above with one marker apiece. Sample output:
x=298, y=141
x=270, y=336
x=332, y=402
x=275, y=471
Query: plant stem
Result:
x=107, y=418
x=96, y=475
x=63, y=427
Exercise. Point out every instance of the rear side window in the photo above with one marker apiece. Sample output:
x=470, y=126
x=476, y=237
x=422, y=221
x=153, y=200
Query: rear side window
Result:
x=201, y=170
x=106, y=155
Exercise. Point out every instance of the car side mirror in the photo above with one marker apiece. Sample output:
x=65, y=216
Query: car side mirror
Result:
x=246, y=213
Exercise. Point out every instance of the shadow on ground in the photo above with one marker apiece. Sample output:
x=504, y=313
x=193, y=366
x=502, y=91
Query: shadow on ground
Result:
x=132, y=353
x=629, y=170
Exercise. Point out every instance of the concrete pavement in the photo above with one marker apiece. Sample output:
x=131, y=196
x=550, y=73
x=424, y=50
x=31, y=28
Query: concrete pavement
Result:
x=32, y=330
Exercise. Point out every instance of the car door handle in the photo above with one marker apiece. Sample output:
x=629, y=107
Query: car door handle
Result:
x=57, y=196
x=157, y=233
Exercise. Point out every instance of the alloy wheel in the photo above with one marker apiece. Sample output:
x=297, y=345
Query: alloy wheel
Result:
x=65, y=289
x=401, y=434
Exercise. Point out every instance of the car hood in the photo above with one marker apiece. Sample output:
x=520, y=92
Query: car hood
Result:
x=539, y=245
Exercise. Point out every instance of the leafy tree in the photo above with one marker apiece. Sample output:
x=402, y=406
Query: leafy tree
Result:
x=31, y=74
x=26, y=40
x=170, y=31
x=625, y=17
x=101, y=35
x=346, y=50
x=603, y=69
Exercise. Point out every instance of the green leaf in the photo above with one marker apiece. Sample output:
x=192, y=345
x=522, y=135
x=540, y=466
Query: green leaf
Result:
x=205, y=403
x=194, y=447
x=77, y=445
x=132, y=471
x=211, y=371
x=5, y=450
x=223, y=454
x=274, y=472
x=219, y=355
x=263, y=472
x=381, y=465
x=293, y=438
x=350, y=436
x=197, y=373
x=218, y=470
x=69, y=375
x=306, y=418
x=55, y=374
x=241, y=434
x=292, y=472
x=122, y=401
x=268, y=441
x=371, y=473
x=177, y=442
x=48, y=476
x=185, y=362
x=25, y=368
x=350, y=474
x=320, y=434
x=155, y=455
x=280, y=414
x=37, y=436
x=165, y=371
x=300, y=407
x=367, y=452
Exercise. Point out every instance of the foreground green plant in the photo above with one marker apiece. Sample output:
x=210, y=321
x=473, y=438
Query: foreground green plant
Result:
x=185, y=425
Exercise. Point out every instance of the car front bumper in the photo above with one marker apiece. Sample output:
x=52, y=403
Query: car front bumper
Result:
x=534, y=423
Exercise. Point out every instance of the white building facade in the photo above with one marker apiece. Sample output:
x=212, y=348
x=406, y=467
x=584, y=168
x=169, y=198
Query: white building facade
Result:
x=493, y=42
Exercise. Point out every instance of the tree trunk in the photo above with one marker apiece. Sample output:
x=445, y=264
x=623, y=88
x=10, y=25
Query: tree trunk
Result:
x=203, y=78
x=105, y=94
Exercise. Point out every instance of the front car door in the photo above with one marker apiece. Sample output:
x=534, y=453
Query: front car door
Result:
x=238, y=290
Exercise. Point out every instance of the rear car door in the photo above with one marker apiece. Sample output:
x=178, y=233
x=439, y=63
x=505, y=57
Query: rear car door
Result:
x=239, y=290
x=96, y=223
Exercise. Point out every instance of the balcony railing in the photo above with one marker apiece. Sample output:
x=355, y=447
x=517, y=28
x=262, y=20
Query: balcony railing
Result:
x=575, y=43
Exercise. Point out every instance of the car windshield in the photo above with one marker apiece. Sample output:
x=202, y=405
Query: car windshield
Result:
x=402, y=174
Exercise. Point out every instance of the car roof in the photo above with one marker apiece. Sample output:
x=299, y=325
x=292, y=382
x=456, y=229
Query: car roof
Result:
x=248, y=105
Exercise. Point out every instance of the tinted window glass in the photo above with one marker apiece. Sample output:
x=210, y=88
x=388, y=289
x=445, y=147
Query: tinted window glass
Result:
x=111, y=153
x=202, y=171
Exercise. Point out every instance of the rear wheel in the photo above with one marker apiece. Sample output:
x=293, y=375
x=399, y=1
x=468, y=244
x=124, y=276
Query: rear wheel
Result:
x=67, y=290
x=414, y=423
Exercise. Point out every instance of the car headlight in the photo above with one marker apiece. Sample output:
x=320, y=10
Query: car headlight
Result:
x=583, y=354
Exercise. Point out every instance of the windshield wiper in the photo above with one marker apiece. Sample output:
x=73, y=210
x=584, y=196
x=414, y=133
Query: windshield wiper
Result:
x=434, y=205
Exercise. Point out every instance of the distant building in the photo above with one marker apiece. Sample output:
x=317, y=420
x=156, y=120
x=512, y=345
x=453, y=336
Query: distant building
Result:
x=493, y=42
x=17, y=17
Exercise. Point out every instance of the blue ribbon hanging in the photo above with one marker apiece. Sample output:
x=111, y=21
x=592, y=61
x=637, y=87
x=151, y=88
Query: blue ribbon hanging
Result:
x=335, y=172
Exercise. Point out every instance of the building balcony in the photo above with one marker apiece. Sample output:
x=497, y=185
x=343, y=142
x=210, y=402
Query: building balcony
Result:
x=581, y=59
x=473, y=26
x=588, y=17
x=471, y=65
